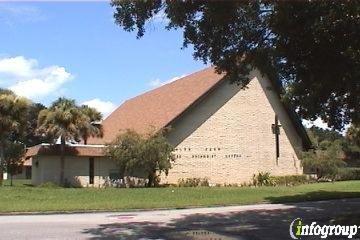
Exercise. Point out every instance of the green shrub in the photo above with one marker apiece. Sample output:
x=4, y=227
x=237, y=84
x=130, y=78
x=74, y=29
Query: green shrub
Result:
x=193, y=182
x=204, y=182
x=265, y=179
x=290, y=180
x=262, y=179
x=345, y=174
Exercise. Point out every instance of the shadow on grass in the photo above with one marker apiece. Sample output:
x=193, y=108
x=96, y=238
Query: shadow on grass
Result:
x=17, y=183
x=250, y=224
x=313, y=196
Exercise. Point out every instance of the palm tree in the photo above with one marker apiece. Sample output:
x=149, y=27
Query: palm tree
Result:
x=61, y=120
x=91, y=126
x=13, y=112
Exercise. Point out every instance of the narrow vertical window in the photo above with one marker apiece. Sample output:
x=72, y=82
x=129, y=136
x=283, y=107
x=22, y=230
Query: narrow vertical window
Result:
x=91, y=170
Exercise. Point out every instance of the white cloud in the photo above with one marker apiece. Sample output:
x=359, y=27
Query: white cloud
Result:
x=105, y=107
x=17, y=66
x=158, y=83
x=26, y=78
x=321, y=124
x=318, y=123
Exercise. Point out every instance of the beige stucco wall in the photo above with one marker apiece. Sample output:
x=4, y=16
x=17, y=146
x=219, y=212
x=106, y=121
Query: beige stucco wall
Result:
x=22, y=175
x=228, y=136
x=47, y=169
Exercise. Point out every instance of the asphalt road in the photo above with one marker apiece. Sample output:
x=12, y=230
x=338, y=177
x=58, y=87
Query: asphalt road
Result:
x=252, y=222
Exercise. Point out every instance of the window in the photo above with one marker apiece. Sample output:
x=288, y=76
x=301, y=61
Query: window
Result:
x=28, y=172
x=91, y=170
x=114, y=174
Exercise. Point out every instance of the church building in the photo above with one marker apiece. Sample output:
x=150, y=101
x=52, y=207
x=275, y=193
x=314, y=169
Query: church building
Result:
x=219, y=130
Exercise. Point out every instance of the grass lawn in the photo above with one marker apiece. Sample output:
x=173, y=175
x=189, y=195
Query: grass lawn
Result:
x=23, y=198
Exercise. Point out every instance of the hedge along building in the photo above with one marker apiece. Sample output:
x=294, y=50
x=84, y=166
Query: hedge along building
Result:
x=219, y=131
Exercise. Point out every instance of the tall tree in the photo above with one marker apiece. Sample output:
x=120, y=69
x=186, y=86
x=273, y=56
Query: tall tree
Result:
x=14, y=153
x=61, y=120
x=13, y=112
x=90, y=126
x=325, y=162
x=310, y=49
x=30, y=137
x=149, y=155
x=319, y=135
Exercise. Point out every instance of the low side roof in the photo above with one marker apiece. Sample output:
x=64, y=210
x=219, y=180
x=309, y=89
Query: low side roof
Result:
x=70, y=150
x=28, y=162
x=158, y=107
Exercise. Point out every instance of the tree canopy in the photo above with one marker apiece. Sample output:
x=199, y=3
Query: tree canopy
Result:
x=13, y=115
x=61, y=120
x=309, y=49
x=334, y=145
x=65, y=119
x=136, y=154
x=90, y=126
x=13, y=157
x=26, y=122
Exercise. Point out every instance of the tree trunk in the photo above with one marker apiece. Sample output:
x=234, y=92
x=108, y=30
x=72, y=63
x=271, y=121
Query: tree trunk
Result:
x=11, y=179
x=2, y=156
x=62, y=161
x=151, y=179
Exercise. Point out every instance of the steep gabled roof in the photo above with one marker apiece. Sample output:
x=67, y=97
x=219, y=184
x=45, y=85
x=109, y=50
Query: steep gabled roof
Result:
x=158, y=107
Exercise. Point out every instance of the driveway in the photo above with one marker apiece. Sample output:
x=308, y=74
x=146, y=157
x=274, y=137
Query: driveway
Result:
x=252, y=222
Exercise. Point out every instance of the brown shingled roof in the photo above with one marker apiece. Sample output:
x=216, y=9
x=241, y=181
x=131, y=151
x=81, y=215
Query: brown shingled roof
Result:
x=28, y=162
x=159, y=107
x=81, y=150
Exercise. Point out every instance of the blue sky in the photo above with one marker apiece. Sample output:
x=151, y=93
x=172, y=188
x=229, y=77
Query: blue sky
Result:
x=75, y=50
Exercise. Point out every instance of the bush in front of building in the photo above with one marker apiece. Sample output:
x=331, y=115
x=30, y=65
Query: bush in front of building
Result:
x=291, y=180
x=265, y=179
x=262, y=179
x=126, y=182
x=193, y=182
x=345, y=174
x=144, y=156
